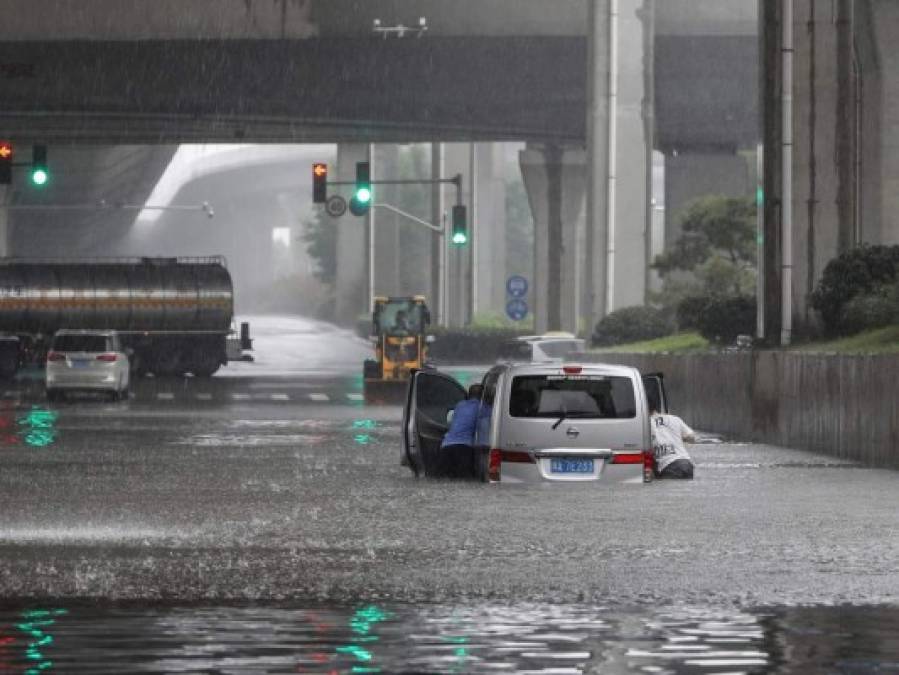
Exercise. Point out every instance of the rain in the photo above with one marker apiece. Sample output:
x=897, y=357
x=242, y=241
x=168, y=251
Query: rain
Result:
x=449, y=337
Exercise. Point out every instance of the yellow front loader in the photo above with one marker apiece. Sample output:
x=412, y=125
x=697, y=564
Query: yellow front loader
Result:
x=399, y=333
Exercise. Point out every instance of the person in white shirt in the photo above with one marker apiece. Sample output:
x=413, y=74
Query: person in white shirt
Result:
x=669, y=432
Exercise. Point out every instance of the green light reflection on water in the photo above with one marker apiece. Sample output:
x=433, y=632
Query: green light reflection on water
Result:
x=35, y=620
x=366, y=425
x=38, y=427
x=361, y=623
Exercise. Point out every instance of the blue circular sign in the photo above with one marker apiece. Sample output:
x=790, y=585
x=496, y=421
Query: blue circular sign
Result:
x=516, y=309
x=517, y=286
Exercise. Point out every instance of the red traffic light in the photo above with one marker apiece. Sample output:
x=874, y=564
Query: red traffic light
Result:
x=6, y=150
x=319, y=183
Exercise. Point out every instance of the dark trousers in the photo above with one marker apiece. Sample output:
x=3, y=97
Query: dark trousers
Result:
x=456, y=461
x=679, y=468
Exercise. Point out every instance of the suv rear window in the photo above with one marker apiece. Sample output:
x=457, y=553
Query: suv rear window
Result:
x=583, y=396
x=82, y=343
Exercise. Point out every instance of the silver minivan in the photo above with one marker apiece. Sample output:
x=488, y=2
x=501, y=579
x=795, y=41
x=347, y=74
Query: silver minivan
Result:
x=542, y=422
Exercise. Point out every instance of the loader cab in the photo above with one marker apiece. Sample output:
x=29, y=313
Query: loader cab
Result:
x=399, y=336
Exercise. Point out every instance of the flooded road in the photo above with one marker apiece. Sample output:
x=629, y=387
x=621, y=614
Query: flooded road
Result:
x=489, y=638
x=257, y=522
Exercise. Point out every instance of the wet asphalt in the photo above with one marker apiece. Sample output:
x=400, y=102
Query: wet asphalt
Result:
x=289, y=488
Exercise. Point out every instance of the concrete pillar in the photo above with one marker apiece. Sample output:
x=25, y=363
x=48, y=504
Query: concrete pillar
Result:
x=388, y=229
x=631, y=171
x=489, y=229
x=352, y=253
x=457, y=160
x=879, y=131
x=819, y=214
x=555, y=179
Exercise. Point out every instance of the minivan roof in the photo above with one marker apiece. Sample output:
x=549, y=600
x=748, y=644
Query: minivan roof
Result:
x=558, y=368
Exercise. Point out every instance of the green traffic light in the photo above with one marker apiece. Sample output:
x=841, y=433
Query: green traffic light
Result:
x=460, y=238
x=363, y=195
x=39, y=176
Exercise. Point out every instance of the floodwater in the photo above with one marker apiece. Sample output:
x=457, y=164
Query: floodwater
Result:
x=375, y=638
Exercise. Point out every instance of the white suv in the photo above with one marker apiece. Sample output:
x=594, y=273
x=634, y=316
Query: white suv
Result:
x=87, y=360
x=552, y=347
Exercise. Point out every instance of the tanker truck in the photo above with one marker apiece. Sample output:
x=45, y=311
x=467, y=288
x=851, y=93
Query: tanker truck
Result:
x=174, y=314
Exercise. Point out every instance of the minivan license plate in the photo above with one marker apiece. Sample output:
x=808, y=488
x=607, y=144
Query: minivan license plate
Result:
x=571, y=465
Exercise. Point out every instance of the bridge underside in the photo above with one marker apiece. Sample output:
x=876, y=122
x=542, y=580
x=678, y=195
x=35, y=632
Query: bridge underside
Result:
x=354, y=90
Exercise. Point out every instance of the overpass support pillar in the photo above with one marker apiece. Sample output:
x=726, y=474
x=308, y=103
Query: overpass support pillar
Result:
x=352, y=244
x=555, y=179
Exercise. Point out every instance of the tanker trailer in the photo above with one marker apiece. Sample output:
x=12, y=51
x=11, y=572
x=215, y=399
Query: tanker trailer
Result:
x=174, y=314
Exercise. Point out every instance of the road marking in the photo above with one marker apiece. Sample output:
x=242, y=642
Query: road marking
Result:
x=240, y=397
x=355, y=397
x=319, y=397
x=204, y=397
x=280, y=397
x=165, y=396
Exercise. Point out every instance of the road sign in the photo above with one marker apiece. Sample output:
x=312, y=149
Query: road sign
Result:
x=335, y=206
x=517, y=286
x=516, y=309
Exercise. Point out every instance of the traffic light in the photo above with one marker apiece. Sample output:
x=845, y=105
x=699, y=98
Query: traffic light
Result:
x=460, y=226
x=361, y=199
x=39, y=172
x=319, y=183
x=6, y=155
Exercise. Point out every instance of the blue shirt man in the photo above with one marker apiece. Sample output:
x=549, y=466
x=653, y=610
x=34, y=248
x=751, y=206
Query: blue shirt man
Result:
x=457, y=451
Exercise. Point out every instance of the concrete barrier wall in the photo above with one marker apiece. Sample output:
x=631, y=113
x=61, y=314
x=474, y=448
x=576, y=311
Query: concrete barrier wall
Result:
x=845, y=406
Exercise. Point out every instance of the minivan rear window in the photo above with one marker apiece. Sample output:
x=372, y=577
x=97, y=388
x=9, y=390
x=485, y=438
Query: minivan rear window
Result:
x=583, y=396
x=81, y=343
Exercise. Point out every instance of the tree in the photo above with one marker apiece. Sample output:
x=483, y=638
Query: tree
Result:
x=320, y=237
x=717, y=246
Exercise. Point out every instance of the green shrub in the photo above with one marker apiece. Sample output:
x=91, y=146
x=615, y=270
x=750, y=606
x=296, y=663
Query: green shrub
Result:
x=721, y=320
x=873, y=310
x=860, y=271
x=632, y=324
x=689, y=311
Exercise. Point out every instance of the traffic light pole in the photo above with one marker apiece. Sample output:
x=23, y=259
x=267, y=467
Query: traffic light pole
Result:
x=454, y=180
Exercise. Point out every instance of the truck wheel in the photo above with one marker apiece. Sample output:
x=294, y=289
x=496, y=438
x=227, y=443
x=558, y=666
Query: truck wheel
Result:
x=166, y=363
x=204, y=364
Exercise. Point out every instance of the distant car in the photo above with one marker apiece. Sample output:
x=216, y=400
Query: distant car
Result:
x=542, y=422
x=540, y=348
x=87, y=360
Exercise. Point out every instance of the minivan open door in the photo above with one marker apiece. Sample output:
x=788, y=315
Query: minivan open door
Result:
x=429, y=399
x=654, y=384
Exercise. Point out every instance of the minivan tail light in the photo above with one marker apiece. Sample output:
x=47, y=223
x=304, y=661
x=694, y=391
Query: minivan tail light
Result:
x=56, y=356
x=519, y=456
x=629, y=458
x=572, y=370
x=494, y=462
x=107, y=357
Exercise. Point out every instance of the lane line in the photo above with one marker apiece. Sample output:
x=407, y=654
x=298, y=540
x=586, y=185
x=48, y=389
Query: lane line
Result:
x=355, y=397
x=204, y=397
x=165, y=396
x=319, y=397
x=240, y=397
x=280, y=397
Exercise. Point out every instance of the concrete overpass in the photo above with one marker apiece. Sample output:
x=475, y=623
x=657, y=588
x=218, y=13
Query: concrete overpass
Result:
x=167, y=72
